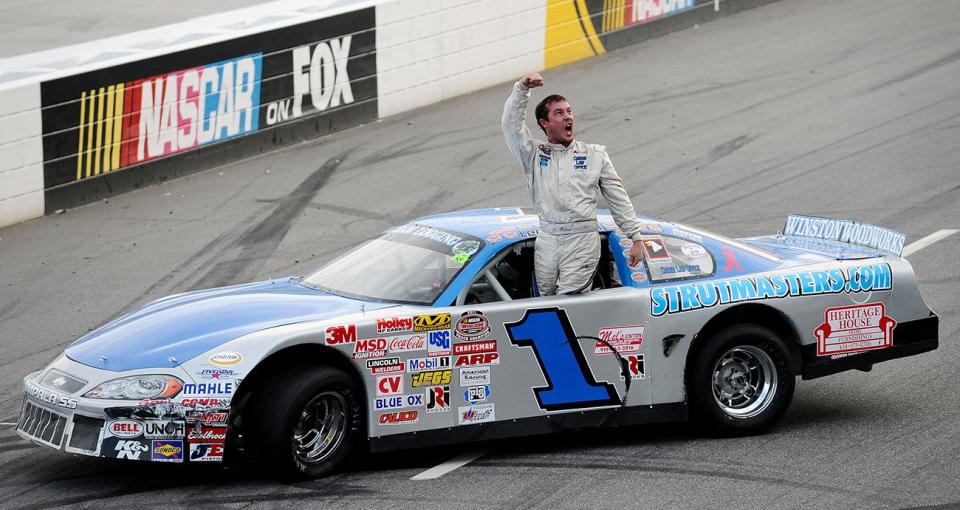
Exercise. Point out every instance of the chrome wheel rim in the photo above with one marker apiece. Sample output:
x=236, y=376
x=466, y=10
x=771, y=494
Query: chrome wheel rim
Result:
x=320, y=428
x=744, y=381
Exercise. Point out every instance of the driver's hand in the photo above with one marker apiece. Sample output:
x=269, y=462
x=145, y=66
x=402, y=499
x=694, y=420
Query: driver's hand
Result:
x=532, y=80
x=635, y=256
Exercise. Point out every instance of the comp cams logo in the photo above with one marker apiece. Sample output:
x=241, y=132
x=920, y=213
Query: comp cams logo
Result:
x=320, y=72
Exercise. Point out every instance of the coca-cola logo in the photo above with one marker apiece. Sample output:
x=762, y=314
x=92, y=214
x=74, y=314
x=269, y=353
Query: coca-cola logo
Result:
x=394, y=324
x=408, y=343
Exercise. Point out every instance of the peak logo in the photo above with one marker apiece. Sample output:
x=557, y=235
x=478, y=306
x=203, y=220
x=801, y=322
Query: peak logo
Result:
x=319, y=71
x=132, y=122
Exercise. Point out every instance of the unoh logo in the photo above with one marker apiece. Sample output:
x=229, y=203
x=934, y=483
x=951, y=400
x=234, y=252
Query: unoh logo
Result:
x=128, y=123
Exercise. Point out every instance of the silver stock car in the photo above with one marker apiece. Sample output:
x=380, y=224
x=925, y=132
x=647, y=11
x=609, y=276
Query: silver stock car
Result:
x=435, y=333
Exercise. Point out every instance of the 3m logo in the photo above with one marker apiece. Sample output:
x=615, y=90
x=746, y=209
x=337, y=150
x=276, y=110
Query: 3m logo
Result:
x=129, y=123
x=431, y=322
x=341, y=334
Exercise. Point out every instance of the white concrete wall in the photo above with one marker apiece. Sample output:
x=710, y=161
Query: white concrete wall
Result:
x=21, y=155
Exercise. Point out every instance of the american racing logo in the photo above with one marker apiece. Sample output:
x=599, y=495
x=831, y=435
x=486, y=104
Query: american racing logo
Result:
x=394, y=325
x=490, y=358
x=131, y=122
x=438, y=343
x=421, y=364
x=432, y=322
x=438, y=399
x=474, y=375
x=337, y=335
x=53, y=398
x=319, y=71
x=431, y=378
x=472, y=325
x=621, y=338
x=476, y=347
x=476, y=414
x=399, y=418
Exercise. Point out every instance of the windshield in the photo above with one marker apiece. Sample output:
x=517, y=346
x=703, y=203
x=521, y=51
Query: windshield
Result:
x=408, y=264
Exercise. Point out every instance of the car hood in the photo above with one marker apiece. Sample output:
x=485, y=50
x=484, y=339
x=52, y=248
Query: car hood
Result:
x=170, y=331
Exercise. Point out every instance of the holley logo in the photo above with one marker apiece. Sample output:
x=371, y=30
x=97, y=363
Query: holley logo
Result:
x=394, y=325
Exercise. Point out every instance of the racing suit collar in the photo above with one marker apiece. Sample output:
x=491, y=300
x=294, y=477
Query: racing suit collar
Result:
x=560, y=146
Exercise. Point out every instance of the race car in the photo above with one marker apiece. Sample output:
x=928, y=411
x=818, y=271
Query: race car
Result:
x=435, y=333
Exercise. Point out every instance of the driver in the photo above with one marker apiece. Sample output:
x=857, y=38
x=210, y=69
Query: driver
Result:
x=563, y=177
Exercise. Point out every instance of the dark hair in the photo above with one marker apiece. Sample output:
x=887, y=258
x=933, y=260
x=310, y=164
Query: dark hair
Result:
x=541, y=111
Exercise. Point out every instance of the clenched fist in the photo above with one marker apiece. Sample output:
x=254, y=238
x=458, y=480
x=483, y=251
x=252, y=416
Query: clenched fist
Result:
x=532, y=80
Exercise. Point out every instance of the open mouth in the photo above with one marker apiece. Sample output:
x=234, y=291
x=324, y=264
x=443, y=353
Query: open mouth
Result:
x=568, y=127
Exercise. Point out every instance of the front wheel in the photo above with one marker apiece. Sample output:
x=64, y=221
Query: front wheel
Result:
x=305, y=423
x=741, y=382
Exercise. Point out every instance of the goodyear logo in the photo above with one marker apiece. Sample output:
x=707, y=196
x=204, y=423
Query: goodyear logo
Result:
x=431, y=378
x=431, y=322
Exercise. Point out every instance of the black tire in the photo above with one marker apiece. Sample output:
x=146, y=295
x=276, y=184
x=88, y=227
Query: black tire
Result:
x=296, y=402
x=732, y=363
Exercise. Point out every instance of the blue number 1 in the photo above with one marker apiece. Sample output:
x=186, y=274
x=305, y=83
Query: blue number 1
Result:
x=570, y=385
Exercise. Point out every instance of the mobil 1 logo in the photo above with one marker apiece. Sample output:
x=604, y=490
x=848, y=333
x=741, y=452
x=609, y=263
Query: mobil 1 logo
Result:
x=320, y=80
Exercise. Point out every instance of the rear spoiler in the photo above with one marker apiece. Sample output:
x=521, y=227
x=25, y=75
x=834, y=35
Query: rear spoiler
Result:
x=845, y=231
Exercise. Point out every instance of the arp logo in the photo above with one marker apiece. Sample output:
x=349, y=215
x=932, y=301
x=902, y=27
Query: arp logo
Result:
x=337, y=335
x=438, y=399
x=389, y=385
x=489, y=358
x=431, y=322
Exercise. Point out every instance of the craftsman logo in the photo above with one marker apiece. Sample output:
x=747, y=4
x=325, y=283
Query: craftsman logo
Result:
x=634, y=366
x=476, y=414
x=475, y=394
x=226, y=359
x=854, y=328
x=206, y=452
x=438, y=399
x=471, y=325
x=490, y=358
x=130, y=449
x=475, y=347
x=421, y=364
x=320, y=73
x=136, y=121
x=622, y=339
x=474, y=375
x=438, y=343
x=408, y=343
x=337, y=335
x=399, y=418
x=394, y=325
x=431, y=322
x=431, y=378
x=125, y=428
x=389, y=385
x=167, y=450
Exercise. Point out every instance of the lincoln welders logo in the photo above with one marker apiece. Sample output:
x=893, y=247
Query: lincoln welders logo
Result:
x=854, y=328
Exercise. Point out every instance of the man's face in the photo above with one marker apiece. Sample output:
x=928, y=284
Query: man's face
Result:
x=558, y=125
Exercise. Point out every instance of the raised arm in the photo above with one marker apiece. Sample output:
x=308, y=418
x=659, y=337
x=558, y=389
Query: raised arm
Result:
x=519, y=140
x=611, y=186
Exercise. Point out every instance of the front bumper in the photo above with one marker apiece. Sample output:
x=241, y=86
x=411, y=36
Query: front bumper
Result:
x=909, y=338
x=157, y=430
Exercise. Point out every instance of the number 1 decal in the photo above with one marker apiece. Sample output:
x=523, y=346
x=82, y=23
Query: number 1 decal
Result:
x=570, y=384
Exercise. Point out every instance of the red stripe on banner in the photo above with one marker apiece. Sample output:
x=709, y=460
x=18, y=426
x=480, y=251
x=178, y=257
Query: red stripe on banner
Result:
x=628, y=13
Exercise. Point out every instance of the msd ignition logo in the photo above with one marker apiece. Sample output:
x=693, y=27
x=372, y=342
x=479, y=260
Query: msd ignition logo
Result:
x=320, y=72
x=136, y=121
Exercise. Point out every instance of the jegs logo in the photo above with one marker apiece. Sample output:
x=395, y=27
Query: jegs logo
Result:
x=472, y=325
x=433, y=377
x=434, y=322
x=337, y=335
x=438, y=399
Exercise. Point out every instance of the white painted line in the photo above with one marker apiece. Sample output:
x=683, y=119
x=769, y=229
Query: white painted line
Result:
x=7, y=423
x=445, y=467
x=920, y=244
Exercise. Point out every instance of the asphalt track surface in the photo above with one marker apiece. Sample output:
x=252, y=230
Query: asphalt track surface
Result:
x=846, y=108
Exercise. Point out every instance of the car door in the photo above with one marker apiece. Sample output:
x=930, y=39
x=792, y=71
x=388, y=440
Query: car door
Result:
x=548, y=355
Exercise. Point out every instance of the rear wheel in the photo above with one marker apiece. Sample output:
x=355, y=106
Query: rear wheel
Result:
x=741, y=382
x=305, y=423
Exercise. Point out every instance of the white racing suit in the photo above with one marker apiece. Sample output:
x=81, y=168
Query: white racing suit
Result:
x=563, y=183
